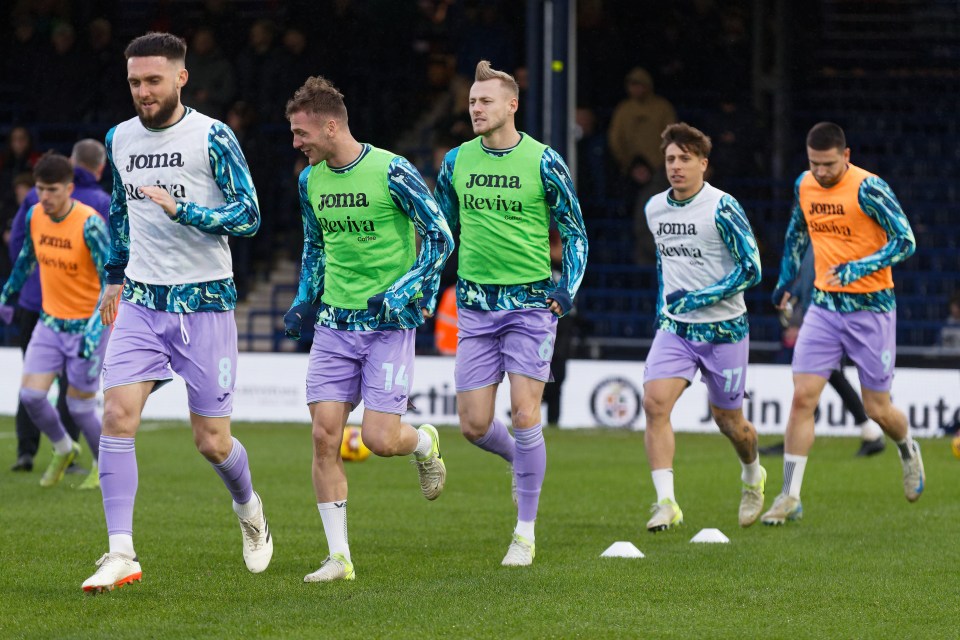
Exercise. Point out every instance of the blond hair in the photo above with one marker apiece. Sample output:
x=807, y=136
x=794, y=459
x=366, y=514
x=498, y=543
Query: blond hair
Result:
x=486, y=72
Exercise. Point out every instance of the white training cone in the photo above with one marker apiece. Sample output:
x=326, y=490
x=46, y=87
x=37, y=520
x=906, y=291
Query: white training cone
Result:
x=710, y=535
x=622, y=550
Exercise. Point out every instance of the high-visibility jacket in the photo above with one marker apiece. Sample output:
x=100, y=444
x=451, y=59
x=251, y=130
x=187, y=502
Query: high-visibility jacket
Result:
x=445, y=327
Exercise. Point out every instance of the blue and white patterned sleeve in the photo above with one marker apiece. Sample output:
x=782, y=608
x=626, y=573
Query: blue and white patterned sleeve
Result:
x=794, y=246
x=119, y=221
x=240, y=216
x=313, y=263
x=444, y=193
x=564, y=206
x=411, y=194
x=735, y=231
x=24, y=265
x=877, y=200
x=97, y=239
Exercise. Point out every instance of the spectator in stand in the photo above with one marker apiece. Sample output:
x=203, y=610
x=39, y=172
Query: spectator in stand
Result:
x=593, y=174
x=18, y=157
x=260, y=69
x=61, y=90
x=300, y=60
x=638, y=121
x=20, y=65
x=107, y=101
x=212, y=84
x=22, y=184
x=950, y=333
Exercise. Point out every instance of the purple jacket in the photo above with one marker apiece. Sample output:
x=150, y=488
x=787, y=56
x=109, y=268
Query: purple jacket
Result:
x=86, y=190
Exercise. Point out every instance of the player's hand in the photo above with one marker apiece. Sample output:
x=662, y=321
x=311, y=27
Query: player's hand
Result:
x=673, y=296
x=6, y=313
x=109, y=303
x=375, y=305
x=675, y=301
x=293, y=319
x=161, y=197
x=560, y=302
x=427, y=314
x=834, y=276
x=780, y=298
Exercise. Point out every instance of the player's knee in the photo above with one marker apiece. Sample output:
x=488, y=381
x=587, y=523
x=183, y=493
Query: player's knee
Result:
x=379, y=443
x=473, y=425
x=523, y=417
x=656, y=408
x=213, y=448
x=804, y=401
x=118, y=420
x=472, y=431
x=326, y=439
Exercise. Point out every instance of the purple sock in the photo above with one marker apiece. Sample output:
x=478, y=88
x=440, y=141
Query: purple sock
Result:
x=42, y=413
x=498, y=440
x=529, y=468
x=118, y=482
x=235, y=472
x=84, y=414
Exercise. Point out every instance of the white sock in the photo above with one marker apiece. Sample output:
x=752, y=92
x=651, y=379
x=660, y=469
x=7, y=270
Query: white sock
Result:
x=122, y=543
x=870, y=430
x=793, y=467
x=424, y=444
x=62, y=446
x=525, y=530
x=334, y=518
x=248, y=510
x=750, y=473
x=663, y=483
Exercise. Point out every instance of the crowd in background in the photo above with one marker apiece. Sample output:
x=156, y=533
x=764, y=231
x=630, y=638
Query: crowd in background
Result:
x=405, y=69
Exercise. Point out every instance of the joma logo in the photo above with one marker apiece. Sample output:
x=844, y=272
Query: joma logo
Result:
x=493, y=180
x=154, y=161
x=54, y=242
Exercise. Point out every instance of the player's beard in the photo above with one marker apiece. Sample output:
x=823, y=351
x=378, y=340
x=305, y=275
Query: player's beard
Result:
x=165, y=109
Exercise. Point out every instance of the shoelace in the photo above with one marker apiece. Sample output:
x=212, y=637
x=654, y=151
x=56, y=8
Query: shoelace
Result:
x=253, y=533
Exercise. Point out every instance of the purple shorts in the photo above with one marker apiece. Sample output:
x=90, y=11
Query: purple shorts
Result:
x=490, y=343
x=723, y=367
x=867, y=337
x=376, y=366
x=200, y=347
x=51, y=351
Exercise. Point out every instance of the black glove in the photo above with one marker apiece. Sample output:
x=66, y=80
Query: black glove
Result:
x=294, y=318
x=375, y=304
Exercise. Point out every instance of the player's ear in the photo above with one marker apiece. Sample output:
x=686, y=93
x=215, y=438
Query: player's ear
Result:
x=182, y=77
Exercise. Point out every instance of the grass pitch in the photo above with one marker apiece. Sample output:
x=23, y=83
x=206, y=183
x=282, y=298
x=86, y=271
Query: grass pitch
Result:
x=863, y=563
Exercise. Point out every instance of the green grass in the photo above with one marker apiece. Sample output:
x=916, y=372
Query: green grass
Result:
x=862, y=564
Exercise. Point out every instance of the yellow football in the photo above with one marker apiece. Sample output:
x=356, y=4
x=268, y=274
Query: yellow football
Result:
x=352, y=448
x=956, y=446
